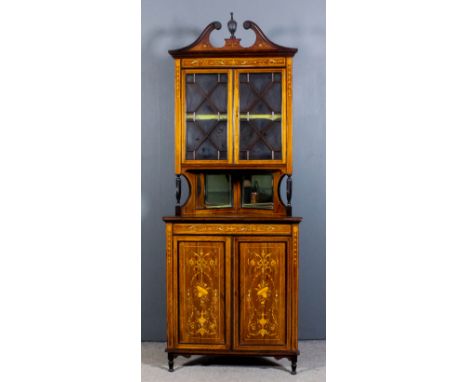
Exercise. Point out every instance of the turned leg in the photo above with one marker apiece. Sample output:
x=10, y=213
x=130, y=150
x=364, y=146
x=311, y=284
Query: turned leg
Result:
x=293, y=364
x=170, y=358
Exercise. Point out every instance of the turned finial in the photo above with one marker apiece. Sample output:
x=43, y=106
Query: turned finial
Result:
x=232, y=25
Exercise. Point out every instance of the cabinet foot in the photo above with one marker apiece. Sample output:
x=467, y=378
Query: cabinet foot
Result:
x=170, y=358
x=293, y=364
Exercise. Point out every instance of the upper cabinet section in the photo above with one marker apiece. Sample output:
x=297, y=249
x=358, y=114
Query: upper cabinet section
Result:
x=233, y=103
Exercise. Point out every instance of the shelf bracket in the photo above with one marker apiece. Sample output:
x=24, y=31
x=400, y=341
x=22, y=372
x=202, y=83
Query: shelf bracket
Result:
x=289, y=195
x=178, y=194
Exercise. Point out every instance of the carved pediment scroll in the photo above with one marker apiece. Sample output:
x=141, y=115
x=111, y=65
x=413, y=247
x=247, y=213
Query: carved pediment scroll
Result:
x=262, y=46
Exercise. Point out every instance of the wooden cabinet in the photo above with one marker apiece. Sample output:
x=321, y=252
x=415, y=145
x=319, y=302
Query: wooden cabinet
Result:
x=232, y=247
x=232, y=288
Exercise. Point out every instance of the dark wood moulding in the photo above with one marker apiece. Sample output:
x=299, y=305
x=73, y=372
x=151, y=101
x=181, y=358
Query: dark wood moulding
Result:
x=232, y=219
x=262, y=47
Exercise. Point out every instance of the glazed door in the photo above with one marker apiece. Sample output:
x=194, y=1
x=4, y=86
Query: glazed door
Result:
x=207, y=116
x=202, y=285
x=260, y=116
x=234, y=116
x=262, y=308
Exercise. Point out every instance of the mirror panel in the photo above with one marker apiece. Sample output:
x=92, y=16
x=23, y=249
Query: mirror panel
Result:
x=257, y=191
x=218, y=192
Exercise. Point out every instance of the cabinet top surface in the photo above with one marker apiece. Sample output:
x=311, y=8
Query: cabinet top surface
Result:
x=262, y=46
x=231, y=219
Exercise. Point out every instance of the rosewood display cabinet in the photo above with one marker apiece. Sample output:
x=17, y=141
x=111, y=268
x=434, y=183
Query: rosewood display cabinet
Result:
x=232, y=247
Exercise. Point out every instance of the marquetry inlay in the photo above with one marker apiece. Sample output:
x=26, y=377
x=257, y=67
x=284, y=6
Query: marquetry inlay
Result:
x=295, y=243
x=264, y=264
x=169, y=256
x=177, y=78
x=240, y=62
x=180, y=229
x=289, y=78
x=201, y=268
x=263, y=287
x=169, y=244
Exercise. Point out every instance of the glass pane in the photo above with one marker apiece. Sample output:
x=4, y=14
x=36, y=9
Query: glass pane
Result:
x=260, y=99
x=206, y=116
x=257, y=191
x=218, y=191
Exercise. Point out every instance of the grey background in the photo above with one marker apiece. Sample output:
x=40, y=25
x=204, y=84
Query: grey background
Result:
x=174, y=24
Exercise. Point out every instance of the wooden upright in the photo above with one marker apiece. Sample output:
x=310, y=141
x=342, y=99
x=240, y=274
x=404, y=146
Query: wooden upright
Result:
x=232, y=247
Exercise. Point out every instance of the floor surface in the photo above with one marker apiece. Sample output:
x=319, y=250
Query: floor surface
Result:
x=310, y=366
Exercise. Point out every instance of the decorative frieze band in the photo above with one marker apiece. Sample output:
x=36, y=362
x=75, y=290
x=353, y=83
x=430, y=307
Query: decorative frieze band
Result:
x=242, y=62
x=222, y=229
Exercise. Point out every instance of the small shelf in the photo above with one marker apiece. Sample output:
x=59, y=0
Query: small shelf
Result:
x=219, y=206
x=271, y=117
x=206, y=117
x=224, y=117
x=262, y=206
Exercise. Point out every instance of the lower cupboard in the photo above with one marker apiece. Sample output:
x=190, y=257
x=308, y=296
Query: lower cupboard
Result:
x=232, y=294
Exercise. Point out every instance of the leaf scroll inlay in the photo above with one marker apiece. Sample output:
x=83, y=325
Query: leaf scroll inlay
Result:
x=263, y=307
x=201, y=295
x=261, y=61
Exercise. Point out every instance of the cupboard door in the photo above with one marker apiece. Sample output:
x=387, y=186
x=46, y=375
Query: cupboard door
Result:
x=207, y=116
x=261, y=308
x=260, y=117
x=203, y=288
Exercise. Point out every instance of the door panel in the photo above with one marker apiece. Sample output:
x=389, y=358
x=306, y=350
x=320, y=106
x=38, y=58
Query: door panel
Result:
x=261, y=308
x=207, y=116
x=203, y=287
x=260, y=115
